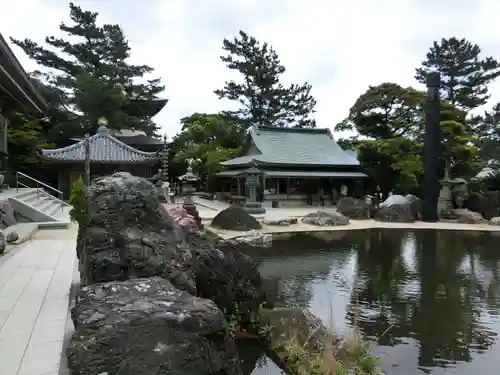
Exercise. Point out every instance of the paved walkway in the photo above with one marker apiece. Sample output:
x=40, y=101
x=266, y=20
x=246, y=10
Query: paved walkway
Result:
x=35, y=281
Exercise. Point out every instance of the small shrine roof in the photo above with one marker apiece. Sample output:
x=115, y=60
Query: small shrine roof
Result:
x=104, y=148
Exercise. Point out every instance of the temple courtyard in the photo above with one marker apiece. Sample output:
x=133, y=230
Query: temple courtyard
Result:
x=36, y=280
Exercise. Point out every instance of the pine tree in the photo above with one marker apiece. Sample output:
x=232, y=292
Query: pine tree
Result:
x=465, y=75
x=264, y=100
x=91, y=75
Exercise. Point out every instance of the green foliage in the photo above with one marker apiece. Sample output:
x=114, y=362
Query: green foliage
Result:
x=88, y=76
x=464, y=74
x=264, y=99
x=79, y=213
x=487, y=131
x=209, y=139
x=26, y=136
x=492, y=181
x=389, y=120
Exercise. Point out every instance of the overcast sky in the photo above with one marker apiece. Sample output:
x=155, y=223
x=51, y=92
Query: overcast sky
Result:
x=340, y=47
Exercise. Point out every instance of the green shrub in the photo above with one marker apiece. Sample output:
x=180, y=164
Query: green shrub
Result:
x=79, y=213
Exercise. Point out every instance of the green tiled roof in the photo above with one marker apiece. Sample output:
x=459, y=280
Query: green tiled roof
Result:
x=104, y=148
x=292, y=146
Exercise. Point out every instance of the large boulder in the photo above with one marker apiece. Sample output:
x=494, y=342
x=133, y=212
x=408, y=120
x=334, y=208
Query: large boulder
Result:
x=466, y=216
x=493, y=198
x=416, y=206
x=235, y=218
x=495, y=221
x=130, y=235
x=394, y=200
x=3, y=241
x=147, y=326
x=477, y=202
x=323, y=218
x=7, y=217
x=226, y=276
x=353, y=208
x=396, y=213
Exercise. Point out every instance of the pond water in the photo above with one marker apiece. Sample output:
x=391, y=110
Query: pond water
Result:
x=431, y=298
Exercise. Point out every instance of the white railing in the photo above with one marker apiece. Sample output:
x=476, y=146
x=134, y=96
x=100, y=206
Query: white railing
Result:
x=40, y=188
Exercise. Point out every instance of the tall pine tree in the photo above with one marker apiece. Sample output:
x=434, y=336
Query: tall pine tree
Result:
x=465, y=75
x=263, y=98
x=90, y=73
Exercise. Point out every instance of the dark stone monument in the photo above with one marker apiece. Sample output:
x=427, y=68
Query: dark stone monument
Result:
x=252, y=206
x=431, y=148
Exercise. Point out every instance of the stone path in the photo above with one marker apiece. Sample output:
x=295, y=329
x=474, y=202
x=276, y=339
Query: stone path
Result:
x=35, y=281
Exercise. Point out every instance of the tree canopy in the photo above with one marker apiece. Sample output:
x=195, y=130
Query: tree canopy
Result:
x=89, y=76
x=208, y=139
x=389, y=120
x=263, y=99
x=465, y=75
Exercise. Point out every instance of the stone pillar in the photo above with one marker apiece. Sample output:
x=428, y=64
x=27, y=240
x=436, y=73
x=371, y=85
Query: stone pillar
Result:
x=252, y=180
x=431, y=148
x=188, y=189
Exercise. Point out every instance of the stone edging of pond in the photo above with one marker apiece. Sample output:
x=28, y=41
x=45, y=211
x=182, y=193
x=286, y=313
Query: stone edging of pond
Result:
x=283, y=231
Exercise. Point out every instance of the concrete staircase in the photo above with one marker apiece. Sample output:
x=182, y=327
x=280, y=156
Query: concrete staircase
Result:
x=39, y=206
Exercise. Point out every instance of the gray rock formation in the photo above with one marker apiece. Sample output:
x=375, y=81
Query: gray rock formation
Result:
x=396, y=213
x=235, y=218
x=7, y=217
x=131, y=236
x=394, y=199
x=353, y=208
x=3, y=242
x=12, y=236
x=226, y=276
x=286, y=222
x=416, y=206
x=466, y=216
x=147, y=326
x=323, y=218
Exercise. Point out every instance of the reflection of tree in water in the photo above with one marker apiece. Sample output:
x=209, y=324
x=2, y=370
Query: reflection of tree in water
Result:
x=290, y=282
x=438, y=304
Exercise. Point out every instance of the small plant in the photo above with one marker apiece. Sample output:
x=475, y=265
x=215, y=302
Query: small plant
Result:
x=79, y=213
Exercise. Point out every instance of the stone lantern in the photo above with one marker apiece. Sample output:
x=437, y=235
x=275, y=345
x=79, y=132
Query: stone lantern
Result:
x=252, y=181
x=188, y=181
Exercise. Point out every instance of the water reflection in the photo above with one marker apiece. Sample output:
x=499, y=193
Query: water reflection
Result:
x=434, y=294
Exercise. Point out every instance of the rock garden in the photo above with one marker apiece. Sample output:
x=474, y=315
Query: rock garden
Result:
x=160, y=296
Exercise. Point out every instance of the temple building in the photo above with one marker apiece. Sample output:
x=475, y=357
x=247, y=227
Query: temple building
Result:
x=107, y=155
x=17, y=94
x=293, y=162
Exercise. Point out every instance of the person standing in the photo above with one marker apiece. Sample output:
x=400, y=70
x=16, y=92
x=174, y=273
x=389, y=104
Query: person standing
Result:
x=320, y=193
x=343, y=191
x=335, y=195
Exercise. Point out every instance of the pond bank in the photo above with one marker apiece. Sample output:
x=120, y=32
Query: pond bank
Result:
x=356, y=225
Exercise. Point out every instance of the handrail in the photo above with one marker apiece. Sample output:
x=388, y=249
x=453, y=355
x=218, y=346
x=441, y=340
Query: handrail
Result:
x=59, y=192
x=58, y=198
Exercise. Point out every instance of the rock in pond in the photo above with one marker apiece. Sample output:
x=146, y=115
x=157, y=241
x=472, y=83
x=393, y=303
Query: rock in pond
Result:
x=323, y=218
x=235, y=218
x=353, y=208
x=130, y=235
x=396, y=213
x=292, y=329
x=147, y=326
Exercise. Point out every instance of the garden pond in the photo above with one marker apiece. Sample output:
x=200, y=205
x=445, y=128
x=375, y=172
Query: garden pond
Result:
x=430, y=299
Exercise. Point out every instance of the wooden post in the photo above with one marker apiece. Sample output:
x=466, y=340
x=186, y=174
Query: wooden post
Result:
x=87, y=160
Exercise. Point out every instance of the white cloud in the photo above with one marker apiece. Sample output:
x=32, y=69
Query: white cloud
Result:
x=340, y=47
